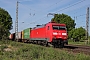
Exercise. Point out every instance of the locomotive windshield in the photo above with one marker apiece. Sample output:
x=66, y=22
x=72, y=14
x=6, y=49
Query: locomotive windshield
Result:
x=59, y=28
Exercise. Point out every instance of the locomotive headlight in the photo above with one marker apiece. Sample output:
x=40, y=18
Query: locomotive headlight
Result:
x=54, y=33
x=64, y=34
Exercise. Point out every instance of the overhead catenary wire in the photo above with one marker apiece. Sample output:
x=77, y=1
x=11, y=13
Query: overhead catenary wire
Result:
x=63, y=8
x=44, y=8
x=54, y=4
x=40, y=10
x=27, y=8
x=71, y=5
x=81, y=15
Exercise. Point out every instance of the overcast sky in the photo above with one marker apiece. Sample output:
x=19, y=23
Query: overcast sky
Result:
x=33, y=12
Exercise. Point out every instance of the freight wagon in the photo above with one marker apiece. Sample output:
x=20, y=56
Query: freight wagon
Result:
x=12, y=36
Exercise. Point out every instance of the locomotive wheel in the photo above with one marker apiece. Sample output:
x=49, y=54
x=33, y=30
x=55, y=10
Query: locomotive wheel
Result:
x=46, y=43
x=61, y=44
x=55, y=45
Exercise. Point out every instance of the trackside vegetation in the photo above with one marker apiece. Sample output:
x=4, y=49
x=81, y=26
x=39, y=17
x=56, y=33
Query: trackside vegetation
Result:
x=5, y=23
x=10, y=50
x=82, y=42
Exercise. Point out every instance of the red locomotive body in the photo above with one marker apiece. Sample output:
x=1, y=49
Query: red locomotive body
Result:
x=53, y=33
x=38, y=33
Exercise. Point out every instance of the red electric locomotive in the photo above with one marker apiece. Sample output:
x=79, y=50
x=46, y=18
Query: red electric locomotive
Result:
x=50, y=33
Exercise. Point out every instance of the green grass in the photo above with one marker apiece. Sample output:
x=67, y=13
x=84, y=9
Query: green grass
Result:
x=22, y=51
x=84, y=42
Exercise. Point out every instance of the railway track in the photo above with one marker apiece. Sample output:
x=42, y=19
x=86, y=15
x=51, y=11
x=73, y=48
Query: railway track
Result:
x=77, y=49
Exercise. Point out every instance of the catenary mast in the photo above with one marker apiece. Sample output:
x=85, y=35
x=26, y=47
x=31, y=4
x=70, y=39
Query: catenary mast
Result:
x=16, y=23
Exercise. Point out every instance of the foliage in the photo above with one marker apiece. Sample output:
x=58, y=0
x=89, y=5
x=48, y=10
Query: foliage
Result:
x=5, y=23
x=63, y=18
x=21, y=51
x=80, y=43
x=78, y=33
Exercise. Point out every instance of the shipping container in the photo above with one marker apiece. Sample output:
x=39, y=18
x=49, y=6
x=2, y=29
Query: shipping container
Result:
x=22, y=35
x=19, y=35
x=26, y=33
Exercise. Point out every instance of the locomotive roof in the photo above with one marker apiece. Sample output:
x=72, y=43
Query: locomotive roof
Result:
x=52, y=23
x=39, y=26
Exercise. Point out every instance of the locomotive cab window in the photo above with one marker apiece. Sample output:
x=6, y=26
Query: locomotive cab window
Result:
x=48, y=28
x=59, y=27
